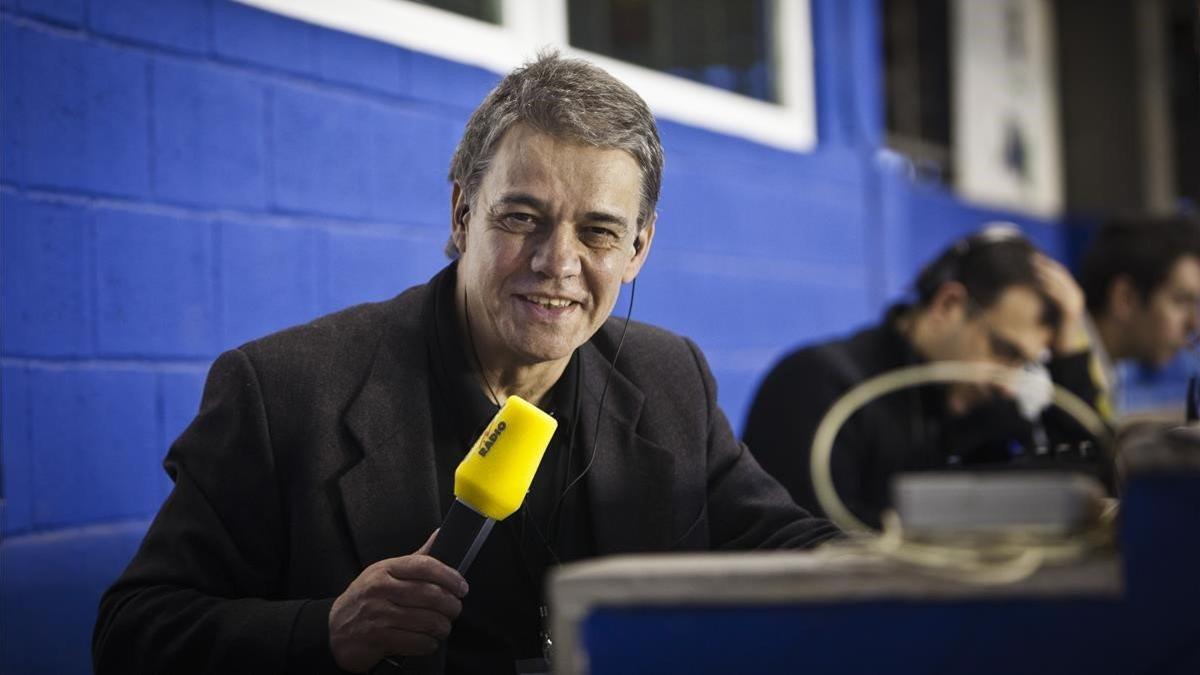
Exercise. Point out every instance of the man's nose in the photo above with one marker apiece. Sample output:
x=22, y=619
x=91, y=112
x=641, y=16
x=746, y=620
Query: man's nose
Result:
x=557, y=253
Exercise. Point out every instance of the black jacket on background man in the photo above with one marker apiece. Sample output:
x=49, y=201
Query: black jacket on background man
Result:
x=907, y=430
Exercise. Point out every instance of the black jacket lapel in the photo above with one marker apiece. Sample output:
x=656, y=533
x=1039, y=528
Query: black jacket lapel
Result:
x=630, y=480
x=390, y=495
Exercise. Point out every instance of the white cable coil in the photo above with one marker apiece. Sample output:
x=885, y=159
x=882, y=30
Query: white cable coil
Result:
x=990, y=560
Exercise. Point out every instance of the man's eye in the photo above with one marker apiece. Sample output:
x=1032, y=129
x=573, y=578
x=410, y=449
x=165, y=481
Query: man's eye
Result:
x=600, y=236
x=1005, y=350
x=519, y=221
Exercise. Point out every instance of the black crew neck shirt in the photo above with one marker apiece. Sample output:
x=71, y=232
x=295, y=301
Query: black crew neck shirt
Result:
x=500, y=622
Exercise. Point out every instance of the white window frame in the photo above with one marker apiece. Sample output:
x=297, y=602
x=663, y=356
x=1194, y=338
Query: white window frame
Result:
x=528, y=25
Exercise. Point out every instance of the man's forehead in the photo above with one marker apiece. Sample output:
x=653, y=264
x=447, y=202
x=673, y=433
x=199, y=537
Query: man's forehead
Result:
x=1185, y=274
x=1018, y=302
x=536, y=164
x=1017, y=313
x=523, y=141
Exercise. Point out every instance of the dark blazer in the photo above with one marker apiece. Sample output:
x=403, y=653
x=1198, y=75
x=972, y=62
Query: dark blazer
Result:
x=312, y=457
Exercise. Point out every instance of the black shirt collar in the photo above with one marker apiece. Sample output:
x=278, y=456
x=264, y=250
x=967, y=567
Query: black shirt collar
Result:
x=455, y=367
x=896, y=341
x=901, y=352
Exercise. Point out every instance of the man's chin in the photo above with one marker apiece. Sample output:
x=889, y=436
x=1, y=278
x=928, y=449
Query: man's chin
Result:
x=1161, y=360
x=964, y=399
x=532, y=344
x=533, y=353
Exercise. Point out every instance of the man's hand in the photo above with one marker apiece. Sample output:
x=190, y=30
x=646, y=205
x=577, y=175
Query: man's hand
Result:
x=1071, y=336
x=397, y=606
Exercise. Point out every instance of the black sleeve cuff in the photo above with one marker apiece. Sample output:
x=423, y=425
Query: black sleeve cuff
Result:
x=1071, y=367
x=308, y=649
x=1074, y=372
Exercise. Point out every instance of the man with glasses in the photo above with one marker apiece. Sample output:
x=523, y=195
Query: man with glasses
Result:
x=990, y=297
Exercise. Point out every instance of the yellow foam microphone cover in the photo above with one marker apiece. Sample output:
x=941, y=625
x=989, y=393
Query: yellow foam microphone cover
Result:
x=497, y=472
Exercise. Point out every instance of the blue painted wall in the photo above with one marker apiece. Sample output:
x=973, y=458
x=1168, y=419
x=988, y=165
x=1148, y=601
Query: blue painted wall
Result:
x=179, y=177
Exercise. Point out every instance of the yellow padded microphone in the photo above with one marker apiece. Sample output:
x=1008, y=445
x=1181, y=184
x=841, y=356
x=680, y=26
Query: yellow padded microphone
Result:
x=497, y=472
x=491, y=482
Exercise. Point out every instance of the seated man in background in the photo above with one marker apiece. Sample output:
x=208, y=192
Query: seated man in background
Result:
x=989, y=297
x=323, y=456
x=1142, y=280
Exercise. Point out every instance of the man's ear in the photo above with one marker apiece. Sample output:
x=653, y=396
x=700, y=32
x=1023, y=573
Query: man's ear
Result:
x=460, y=212
x=949, y=302
x=1123, y=298
x=641, y=249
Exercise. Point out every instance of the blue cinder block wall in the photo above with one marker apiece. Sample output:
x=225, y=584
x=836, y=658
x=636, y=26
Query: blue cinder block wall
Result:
x=179, y=177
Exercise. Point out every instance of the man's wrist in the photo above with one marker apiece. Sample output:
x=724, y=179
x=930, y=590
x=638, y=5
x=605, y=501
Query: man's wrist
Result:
x=308, y=648
x=1072, y=338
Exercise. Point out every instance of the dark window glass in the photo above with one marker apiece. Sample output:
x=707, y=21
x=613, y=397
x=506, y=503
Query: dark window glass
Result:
x=916, y=52
x=484, y=10
x=1184, y=35
x=722, y=43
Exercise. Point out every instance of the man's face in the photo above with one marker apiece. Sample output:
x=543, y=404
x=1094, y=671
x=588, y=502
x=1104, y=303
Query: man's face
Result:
x=1009, y=333
x=1166, y=321
x=546, y=245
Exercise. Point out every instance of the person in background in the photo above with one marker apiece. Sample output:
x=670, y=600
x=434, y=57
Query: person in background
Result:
x=990, y=297
x=1141, y=276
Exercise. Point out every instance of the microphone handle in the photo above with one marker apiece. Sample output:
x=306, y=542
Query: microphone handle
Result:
x=458, y=541
x=461, y=536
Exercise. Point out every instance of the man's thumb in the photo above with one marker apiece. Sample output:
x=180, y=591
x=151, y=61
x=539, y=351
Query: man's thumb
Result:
x=424, y=550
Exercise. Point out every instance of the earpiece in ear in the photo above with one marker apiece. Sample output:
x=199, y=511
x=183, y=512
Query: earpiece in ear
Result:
x=637, y=245
x=458, y=232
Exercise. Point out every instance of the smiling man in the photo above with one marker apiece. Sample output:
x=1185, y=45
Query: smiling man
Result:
x=309, y=485
x=990, y=297
x=546, y=240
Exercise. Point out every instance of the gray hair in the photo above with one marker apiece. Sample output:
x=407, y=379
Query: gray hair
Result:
x=566, y=98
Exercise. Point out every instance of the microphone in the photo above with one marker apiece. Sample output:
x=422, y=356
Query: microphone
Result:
x=1033, y=391
x=491, y=481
